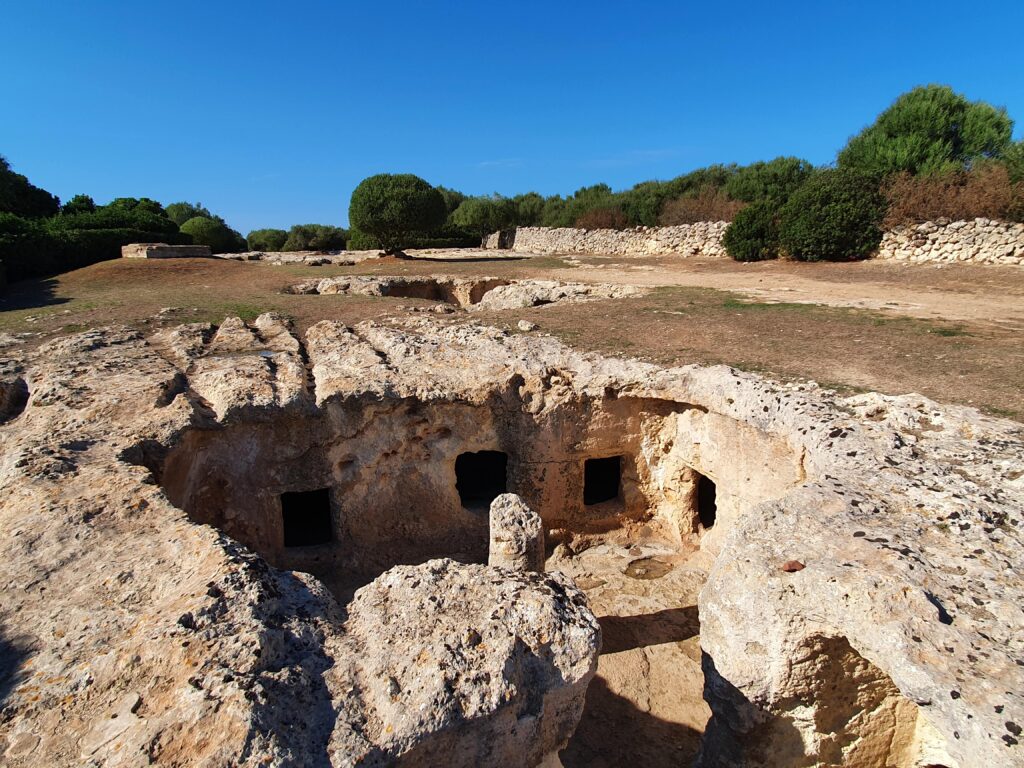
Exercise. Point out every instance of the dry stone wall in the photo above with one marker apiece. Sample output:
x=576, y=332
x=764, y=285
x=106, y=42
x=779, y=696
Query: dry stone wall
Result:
x=983, y=241
x=980, y=241
x=701, y=239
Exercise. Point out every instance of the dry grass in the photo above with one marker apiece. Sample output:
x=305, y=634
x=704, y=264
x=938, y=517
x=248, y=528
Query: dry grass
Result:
x=982, y=193
x=708, y=205
x=962, y=361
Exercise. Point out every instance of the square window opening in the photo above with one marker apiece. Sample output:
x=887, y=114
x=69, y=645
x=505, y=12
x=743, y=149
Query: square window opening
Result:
x=306, y=517
x=602, y=479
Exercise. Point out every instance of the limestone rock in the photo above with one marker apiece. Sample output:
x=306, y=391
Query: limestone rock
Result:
x=466, y=665
x=517, y=535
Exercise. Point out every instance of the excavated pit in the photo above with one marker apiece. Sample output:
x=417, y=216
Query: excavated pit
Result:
x=779, y=577
x=486, y=293
x=347, y=490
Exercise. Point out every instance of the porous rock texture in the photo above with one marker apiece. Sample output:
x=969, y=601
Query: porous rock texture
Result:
x=517, y=535
x=983, y=241
x=466, y=665
x=977, y=241
x=703, y=238
x=130, y=635
x=483, y=293
x=898, y=643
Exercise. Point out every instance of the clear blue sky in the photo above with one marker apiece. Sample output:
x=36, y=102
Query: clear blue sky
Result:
x=269, y=113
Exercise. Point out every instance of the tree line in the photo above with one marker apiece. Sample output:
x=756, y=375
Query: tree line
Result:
x=931, y=154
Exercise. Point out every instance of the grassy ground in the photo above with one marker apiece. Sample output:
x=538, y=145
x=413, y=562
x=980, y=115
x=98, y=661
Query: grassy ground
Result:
x=977, y=363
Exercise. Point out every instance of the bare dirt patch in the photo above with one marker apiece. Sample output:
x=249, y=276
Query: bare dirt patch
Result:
x=951, y=333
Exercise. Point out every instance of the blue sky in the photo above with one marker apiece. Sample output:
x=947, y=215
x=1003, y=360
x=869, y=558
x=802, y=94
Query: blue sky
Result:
x=270, y=113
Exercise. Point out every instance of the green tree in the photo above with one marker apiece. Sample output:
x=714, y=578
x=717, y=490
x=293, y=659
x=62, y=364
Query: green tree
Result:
x=219, y=236
x=21, y=198
x=773, y=181
x=179, y=213
x=315, y=237
x=452, y=199
x=266, y=239
x=139, y=204
x=482, y=215
x=529, y=209
x=395, y=208
x=79, y=204
x=1013, y=159
x=835, y=216
x=930, y=129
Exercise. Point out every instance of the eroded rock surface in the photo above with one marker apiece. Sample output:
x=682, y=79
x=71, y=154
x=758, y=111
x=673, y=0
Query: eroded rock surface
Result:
x=469, y=293
x=897, y=644
x=465, y=665
x=517, y=535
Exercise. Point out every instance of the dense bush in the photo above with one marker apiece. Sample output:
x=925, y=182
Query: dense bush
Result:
x=117, y=217
x=835, y=216
x=773, y=181
x=1013, y=159
x=79, y=204
x=33, y=247
x=361, y=241
x=529, y=209
x=138, y=204
x=315, y=237
x=217, y=235
x=266, y=239
x=983, y=192
x=753, y=234
x=930, y=129
x=710, y=204
x=479, y=216
x=395, y=208
x=179, y=213
x=21, y=198
x=602, y=218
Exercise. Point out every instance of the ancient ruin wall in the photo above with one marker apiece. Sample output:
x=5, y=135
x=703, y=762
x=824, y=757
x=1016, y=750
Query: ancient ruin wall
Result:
x=983, y=241
x=979, y=241
x=701, y=239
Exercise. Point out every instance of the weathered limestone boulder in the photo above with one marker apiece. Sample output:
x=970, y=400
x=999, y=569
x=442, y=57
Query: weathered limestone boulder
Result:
x=465, y=665
x=517, y=535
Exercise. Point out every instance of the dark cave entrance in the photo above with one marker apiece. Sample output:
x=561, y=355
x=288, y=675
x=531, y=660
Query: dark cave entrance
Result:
x=306, y=516
x=481, y=477
x=707, y=506
x=602, y=479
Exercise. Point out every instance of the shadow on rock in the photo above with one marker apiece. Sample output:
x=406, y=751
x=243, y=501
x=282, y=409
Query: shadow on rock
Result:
x=13, y=653
x=624, y=633
x=614, y=732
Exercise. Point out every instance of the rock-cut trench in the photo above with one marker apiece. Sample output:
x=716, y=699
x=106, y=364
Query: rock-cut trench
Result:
x=637, y=494
x=632, y=508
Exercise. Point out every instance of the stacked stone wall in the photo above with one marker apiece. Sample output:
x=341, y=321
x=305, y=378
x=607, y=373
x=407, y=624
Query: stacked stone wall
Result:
x=701, y=239
x=983, y=241
x=979, y=241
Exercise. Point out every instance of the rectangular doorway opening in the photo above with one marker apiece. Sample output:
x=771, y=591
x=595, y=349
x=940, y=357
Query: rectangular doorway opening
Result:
x=306, y=516
x=602, y=479
x=481, y=477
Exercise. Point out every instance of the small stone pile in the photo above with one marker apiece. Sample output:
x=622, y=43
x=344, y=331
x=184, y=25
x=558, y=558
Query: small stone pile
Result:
x=984, y=241
x=701, y=239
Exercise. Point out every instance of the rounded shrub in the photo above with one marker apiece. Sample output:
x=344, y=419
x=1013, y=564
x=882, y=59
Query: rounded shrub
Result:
x=266, y=239
x=753, y=234
x=361, y=241
x=220, y=237
x=395, y=208
x=835, y=216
